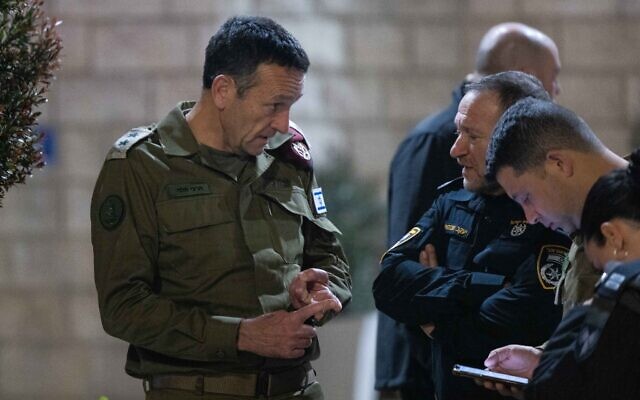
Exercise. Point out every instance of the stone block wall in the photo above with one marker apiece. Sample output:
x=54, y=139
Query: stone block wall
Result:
x=378, y=66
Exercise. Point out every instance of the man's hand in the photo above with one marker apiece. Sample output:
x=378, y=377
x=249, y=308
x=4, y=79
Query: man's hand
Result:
x=513, y=360
x=312, y=286
x=428, y=259
x=282, y=334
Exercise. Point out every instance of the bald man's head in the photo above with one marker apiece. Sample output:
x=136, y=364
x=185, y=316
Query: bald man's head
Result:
x=513, y=46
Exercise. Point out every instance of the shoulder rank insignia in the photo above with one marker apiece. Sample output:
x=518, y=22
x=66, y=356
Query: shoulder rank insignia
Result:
x=295, y=149
x=126, y=141
x=518, y=228
x=549, y=265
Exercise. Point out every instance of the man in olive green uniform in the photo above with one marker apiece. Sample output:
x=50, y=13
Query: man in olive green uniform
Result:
x=213, y=254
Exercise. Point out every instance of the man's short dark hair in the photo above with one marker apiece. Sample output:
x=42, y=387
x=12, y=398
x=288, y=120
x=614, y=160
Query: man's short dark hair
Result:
x=243, y=43
x=510, y=86
x=531, y=128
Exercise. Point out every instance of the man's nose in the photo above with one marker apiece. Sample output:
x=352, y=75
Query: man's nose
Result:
x=459, y=147
x=530, y=214
x=281, y=121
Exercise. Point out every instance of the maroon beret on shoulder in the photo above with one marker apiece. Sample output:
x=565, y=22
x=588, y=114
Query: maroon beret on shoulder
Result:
x=296, y=149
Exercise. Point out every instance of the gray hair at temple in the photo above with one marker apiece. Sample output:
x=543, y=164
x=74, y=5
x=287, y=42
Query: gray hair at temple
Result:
x=510, y=87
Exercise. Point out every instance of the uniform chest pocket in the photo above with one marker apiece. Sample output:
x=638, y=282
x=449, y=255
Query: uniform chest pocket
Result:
x=196, y=234
x=287, y=210
x=192, y=213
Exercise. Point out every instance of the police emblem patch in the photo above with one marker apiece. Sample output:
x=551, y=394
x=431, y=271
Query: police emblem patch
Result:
x=111, y=212
x=301, y=150
x=549, y=265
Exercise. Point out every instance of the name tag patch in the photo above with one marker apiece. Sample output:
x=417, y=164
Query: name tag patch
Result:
x=188, y=189
x=318, y=201
x=458, y=230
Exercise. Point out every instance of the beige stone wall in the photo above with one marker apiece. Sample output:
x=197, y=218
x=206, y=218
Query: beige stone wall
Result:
x=378, y=66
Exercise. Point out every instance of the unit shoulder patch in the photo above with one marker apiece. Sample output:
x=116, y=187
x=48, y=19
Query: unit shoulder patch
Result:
x=125, y=142
x=549, y=265
x=112, y=211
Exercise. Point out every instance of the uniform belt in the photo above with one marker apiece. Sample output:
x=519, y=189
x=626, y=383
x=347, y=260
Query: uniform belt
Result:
x=237, y=384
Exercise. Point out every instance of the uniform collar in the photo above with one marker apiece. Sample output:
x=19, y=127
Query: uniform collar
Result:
x=278, y=140
x=480, y=202
x=175, y=135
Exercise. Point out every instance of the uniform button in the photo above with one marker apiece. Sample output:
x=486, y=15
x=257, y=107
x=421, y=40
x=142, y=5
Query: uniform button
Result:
x=220, y=354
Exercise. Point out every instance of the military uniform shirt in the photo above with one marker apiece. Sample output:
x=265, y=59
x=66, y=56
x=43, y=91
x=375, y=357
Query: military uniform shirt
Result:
x=188, y=241
x=579, y=278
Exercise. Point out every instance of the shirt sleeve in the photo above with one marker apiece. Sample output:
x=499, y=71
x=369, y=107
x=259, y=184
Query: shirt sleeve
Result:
x=411, y=293
x=522, y=311
x=125, y=241
x=323, y=250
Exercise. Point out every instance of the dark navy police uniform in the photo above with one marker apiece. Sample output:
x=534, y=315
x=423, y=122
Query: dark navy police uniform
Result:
x=495, y=286
x=595, y=352
x=420, y=165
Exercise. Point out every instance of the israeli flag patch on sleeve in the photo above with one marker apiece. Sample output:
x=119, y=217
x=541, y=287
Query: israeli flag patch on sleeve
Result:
x=318, y=201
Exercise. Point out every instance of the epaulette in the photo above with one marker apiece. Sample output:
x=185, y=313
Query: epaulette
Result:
x=121, y=146
x=454, y=184
x=295, y=149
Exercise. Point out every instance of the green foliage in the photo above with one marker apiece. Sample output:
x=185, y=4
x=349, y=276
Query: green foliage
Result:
x=29, y=48
x=354, y=206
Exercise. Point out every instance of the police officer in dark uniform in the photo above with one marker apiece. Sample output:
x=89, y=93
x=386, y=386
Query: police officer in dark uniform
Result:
x=595, y=352
x=421, y=164
x=494, y=276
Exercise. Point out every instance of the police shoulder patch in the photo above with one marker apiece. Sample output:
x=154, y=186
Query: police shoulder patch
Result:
x=407, y=236
x=549, y=265
x=126, y=141
x=112, y=211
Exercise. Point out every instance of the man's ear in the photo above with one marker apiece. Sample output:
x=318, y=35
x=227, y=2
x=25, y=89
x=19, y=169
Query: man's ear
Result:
x=223, y=89
x=560, y=162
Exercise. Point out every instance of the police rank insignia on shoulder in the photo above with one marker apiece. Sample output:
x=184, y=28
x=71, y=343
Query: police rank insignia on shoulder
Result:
x=518, y=228
x=126, y=141
x=549, y=265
